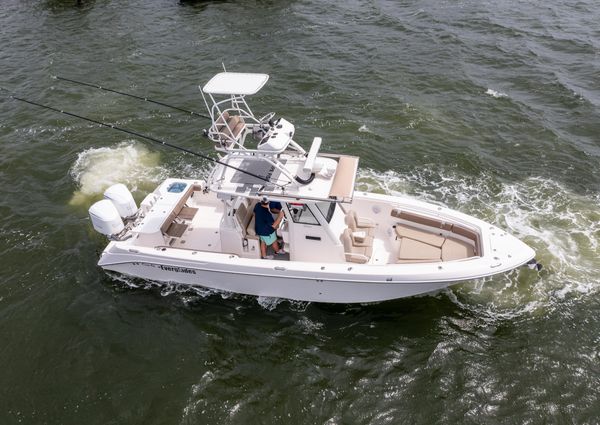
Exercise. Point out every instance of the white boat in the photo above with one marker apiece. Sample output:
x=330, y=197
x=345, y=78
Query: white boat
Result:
x=342, y=246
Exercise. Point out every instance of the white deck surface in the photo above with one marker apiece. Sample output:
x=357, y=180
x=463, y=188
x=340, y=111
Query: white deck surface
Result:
x=202, y=233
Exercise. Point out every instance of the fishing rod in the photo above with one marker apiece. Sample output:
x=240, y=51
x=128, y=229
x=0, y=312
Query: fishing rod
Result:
x=145, y=99
x=143, y=136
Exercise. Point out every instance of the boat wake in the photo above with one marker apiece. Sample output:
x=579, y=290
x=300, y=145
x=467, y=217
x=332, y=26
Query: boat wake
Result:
x=271, y=303
x=189, y=295
x=98, y=168
x=562, y=226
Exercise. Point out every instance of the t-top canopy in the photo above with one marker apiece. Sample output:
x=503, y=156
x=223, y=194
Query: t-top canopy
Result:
x=235, y=83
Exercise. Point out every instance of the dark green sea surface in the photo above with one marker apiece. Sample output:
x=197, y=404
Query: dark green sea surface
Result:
x=489, y=107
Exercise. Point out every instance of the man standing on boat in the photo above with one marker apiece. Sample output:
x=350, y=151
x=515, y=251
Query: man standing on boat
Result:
x=265, y=226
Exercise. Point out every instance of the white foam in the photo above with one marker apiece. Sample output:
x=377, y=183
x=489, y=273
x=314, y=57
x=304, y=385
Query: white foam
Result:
x=128, y=162
x=189, y=294
x=561, y=225
x=269, y=303
x=495, y=93
x=364, y=129
x=309, y=326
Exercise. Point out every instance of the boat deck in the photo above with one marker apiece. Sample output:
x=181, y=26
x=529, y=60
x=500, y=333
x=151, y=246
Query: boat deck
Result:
x=373, y=231
x=202, y=232
x=383, y=249
x=403, y=236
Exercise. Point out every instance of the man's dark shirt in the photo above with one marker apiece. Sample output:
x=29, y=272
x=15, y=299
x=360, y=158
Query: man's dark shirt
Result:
x=263, y=221
x=274, y=205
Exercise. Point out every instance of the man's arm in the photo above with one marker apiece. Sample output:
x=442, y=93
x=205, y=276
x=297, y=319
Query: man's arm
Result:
x=278, y=220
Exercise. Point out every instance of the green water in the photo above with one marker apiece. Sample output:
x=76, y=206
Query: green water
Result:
x=492, y=108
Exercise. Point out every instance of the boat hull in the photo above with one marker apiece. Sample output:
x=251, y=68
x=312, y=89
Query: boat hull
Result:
x=333, y=283
x=296, y=288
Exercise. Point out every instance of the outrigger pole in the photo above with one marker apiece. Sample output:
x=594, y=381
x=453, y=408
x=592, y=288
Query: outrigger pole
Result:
x=143, y=136
x=145, y=99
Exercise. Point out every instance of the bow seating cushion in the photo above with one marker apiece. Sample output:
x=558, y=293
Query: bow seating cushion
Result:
x=403, y=231
x=454, y=249
x=411, y=249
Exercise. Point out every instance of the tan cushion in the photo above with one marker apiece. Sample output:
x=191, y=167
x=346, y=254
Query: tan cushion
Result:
x=234, y=127
x=453, y=249
x=231, y=129
x=411, y=249
x=367, y=241
x=362, y=222
x=245, y=218
x=360, y=254
x=415, y=261
x=223, y=118
x=240, y=214
x=221, y=123
x=404, y=231
x=237, y=130
x=353, y=253
x=416, y=218
x=356, y=259
x=367, y=251
x=359, y=237
x=346, y=239
x=358, y=223
x=250, y=229
x=467, y=233
x=350, y=221
x=342, y=186
x=233, y=121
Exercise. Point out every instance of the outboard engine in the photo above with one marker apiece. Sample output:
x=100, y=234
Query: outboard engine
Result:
x=122, y=199
x=105, y=218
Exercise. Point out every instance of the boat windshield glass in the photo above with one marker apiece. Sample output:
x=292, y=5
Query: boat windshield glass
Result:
x=300, y=213
x=327, y=209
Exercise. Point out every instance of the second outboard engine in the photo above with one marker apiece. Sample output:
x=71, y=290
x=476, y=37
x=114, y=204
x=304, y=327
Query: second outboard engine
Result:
x=105, y=218
x=121, y=197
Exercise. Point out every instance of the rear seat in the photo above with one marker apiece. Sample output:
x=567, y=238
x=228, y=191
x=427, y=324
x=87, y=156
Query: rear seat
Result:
x=175, y=226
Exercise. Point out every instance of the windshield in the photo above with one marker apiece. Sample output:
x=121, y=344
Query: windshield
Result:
x=327, y=209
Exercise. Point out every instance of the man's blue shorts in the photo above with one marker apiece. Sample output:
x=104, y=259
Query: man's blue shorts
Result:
x=269, y=239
